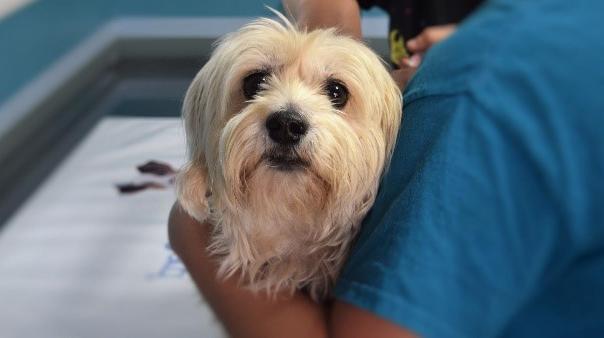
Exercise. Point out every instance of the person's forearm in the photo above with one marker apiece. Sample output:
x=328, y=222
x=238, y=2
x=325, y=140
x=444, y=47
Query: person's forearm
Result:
x=342, y=14
x=243, y=313
x=247, y=315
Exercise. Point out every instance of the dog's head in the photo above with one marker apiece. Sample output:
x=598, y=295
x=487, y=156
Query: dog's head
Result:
x=286, y=123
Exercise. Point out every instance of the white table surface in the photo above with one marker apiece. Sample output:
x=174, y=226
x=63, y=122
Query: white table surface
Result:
x=80, y=260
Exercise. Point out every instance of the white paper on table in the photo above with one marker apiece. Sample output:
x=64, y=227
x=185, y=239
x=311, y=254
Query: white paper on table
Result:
x=80, y=260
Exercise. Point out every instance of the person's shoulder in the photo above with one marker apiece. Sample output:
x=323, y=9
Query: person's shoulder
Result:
x=505, y=42
x=525, y=77
x=455, y=64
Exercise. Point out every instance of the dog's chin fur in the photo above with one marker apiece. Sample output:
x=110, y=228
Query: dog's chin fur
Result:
x=284, y=216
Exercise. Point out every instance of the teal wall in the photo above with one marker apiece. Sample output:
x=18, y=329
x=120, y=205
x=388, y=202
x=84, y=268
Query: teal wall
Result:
x=33, y=38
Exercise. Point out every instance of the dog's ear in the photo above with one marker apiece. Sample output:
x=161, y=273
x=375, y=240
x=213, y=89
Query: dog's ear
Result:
x=191, y=180
x=192, y=186
x=391, y=114
x=192, y=190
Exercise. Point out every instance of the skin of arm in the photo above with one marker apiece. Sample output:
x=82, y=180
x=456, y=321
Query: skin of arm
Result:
x=429, y=37
x=313, y=14
x=246, y=314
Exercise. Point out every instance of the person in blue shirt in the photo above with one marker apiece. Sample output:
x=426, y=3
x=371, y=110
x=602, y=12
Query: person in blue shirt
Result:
x=490, y=219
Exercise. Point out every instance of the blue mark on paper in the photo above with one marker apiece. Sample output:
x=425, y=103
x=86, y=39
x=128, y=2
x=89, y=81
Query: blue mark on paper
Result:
x=171, y=268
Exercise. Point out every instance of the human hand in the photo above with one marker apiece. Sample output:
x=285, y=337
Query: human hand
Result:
x=417, y=47
x=429, y=37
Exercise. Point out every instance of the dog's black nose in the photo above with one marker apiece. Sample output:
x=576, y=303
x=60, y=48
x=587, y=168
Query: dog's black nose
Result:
x=286, y=127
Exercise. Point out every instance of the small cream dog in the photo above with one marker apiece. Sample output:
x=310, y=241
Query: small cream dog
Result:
x=288, y=134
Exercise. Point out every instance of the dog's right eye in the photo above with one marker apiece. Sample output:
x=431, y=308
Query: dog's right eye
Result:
x=252, y=84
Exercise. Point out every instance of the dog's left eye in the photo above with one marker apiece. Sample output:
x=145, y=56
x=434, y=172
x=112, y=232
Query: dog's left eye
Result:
x=337, y=93
x=252, y=84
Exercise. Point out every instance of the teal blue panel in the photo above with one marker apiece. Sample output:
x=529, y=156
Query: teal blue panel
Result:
x=32, y=39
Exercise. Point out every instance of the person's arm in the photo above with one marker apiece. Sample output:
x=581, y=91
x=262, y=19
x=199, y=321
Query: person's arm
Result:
x=312, y=14
x=249, y=315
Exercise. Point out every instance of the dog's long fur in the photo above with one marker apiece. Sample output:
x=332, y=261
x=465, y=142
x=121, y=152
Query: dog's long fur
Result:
x=284, y=230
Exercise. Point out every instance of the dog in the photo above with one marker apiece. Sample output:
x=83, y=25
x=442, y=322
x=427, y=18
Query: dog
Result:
x=288, y=134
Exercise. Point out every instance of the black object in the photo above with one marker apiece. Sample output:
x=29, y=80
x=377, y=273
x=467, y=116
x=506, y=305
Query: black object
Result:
x=286, y=127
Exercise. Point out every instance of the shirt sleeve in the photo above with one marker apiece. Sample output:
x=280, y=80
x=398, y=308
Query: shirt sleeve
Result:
x=461, y=233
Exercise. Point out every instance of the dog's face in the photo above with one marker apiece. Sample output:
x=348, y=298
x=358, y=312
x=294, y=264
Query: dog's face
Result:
x=290, y=131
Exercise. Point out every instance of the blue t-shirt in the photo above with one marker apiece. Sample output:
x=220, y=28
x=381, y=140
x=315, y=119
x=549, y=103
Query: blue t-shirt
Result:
x=490, y=220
